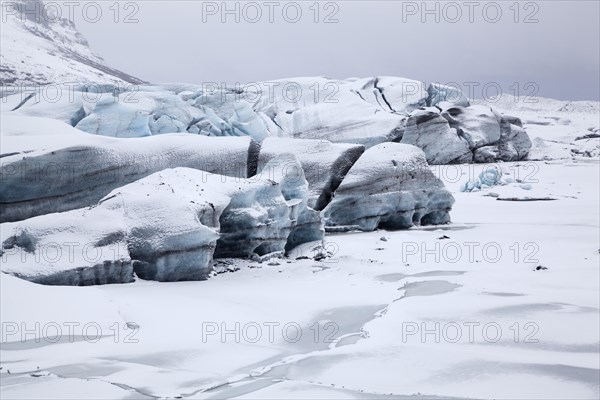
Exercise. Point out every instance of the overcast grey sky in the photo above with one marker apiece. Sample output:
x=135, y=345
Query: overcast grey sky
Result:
x=553, y=44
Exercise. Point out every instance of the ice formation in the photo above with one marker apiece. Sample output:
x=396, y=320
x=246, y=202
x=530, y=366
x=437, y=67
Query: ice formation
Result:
x=478, y=125
x=165, y=227
x=288, y=172
x=58, y=169
x=368, y=111
x=390, y=187
x=451, y=134
x=490, y=176
x=430, y=131
x=324, y=163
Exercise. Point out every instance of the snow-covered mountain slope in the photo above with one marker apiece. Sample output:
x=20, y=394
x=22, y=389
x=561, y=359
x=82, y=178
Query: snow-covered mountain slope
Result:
x=41, y=50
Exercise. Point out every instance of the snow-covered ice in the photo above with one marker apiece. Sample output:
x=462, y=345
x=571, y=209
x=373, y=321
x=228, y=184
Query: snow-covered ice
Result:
x=325, y=164
x=430, y=131
x=288, y=172
x=164, y=227
x=366, y=111
x=389, y=187
x=83, y=168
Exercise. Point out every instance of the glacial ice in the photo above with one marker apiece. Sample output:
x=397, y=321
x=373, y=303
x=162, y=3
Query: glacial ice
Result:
x=490, y=176
x=514, y=143
x=451, y=134
x=390, y=186
x=245, y=122
x=81, y=247
x=477, y=124
x=392, y=94
x=39, y=103
x=166, y=227
x=366, y=111
x=430, y=131
x=324, y=163
x=289, y=173
x=348, y=121
x=438, y=93
x=128, y=201
x=138, y=113
x=44, y=173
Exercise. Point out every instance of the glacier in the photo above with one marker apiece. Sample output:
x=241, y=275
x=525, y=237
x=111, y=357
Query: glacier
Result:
x=162, y=207
x=150, y=164
x=161, y=179
x=439, y=119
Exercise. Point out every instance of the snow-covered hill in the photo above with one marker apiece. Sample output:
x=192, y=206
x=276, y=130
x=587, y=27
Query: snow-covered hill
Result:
x=39, y=51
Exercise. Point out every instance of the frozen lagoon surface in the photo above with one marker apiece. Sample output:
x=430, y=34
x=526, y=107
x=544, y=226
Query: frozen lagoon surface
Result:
x=359, y=324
